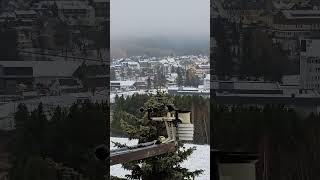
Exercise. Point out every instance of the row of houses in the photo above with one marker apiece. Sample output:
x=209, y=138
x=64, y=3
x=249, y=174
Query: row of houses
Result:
x=39, y=21
x=53, y=77
x=295, y=26
x=145, y=71
x=263, y=93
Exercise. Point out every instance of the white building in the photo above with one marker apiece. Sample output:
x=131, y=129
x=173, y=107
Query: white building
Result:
x=122, y=85
x=289, y=25
x=202, y=69
x=45, y=72
x=133, y=65
x=206, y=82
x=65, y=85
x=310, y=63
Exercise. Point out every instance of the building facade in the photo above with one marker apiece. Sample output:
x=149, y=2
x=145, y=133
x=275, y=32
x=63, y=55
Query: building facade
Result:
x=310, y=63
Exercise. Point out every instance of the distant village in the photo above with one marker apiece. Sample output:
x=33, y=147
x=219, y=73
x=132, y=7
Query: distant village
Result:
x=292, y=28
x=51, y=52
x=176, y=75
x=54, y=52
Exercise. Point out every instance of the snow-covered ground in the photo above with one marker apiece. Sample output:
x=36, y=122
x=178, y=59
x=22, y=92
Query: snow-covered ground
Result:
x=129, y=93
x=200, y=159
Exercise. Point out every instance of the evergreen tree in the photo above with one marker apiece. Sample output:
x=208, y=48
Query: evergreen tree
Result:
x=167, y=166
x=100, y=40
x=179, y=77
x=113, y=75
x=129, y=72
x=261, y=58
x=70, y=137
x=23, y=139
x=224, y=64
x=174, y=70
x=200, y=113
x=160, y=78
x=192, y=79
x=272, y=131
x=62, y=36
x=149, y=83
x=37, y=168
x=9, y=43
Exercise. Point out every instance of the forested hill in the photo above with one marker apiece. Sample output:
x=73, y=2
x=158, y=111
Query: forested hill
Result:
x=158, y=46
x=288, y=145
x=198, y=105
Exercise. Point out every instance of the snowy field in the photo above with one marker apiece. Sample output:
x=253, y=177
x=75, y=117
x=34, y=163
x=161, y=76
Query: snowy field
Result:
x=200, y=159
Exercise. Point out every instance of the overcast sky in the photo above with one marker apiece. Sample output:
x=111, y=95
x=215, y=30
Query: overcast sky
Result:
x=170, y=18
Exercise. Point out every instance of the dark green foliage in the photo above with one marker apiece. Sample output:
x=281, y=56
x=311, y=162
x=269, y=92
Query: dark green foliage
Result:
x=261, y=58
x=192, y=79
x=9, y=44
x=167, y=166
x=101, y=40
x=179, y=77
x=62, y=36
x=149, y=83
x=287, y=144
x=37, y=168
x=112, y=75
x=69, y=136
x=199, y=107
x=257, y=57
x=130, y=105
x=160, y=78
x=224, y=65
x=197, y=104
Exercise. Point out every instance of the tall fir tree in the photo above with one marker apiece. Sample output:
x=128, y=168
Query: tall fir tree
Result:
x=179, y=77
x=164, y=167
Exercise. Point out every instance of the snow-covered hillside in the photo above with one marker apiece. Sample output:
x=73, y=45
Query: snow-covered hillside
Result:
x=200, y=159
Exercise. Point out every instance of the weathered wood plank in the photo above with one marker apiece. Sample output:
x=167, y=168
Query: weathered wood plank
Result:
x=129, y=155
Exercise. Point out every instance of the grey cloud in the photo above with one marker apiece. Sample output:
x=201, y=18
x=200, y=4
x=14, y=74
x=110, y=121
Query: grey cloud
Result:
x=167, y=18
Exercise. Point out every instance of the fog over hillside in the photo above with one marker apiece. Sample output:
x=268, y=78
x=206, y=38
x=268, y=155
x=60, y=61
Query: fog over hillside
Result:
x=159, y=28
x=159, y=46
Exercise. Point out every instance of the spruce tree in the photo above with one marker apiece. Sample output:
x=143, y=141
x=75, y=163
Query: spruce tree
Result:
x=179, y=77
x=149, y=83
x=166, y=166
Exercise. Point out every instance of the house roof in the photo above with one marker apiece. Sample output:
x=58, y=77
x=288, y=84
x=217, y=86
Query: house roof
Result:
x=252, y=85
x=25, y=12
x=68, y=82
x=123, y=83
x=94, y=70
x=72, y=5
x=7, y=15
x=291, y=80
x=301, y=14
x=46, y=68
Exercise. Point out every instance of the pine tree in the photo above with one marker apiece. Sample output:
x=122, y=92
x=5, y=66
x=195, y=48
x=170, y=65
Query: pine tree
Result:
x=62, y=37
x=9, y=45
x=179, y=77
x=149, y=83
x=160, y=78
x=69, y=137
x=164, y=167
x=37, y=168
x=113, y=76
x=191, y=78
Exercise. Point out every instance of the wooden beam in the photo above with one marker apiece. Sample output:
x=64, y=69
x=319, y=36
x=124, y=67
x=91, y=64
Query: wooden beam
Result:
x=127, y=155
